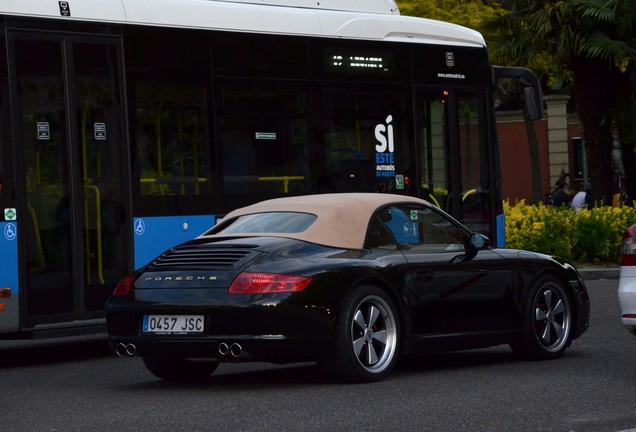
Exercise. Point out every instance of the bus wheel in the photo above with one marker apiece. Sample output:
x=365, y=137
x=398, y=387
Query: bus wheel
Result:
x=170, y=368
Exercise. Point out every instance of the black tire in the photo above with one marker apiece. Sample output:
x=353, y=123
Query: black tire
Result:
x=169, y=368
x=546, y=321
x=366, y=340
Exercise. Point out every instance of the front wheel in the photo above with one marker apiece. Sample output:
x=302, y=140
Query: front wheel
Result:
x=546, y=321
x=366, y=340
x=169, y=368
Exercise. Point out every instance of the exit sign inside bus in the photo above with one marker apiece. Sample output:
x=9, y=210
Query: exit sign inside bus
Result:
x=265, y=135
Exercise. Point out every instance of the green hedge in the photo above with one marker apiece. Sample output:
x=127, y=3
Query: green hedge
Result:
x=589, y=236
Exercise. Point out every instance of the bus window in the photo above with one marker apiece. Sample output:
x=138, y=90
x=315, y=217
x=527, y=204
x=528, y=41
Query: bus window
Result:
x=365, y=141
x=100, y=142
x=265, y=142
x=259, y=56
x=169, y=135
x=6, y=167
x=474, y=163
x=43, y=138
x=167, y=85
x=454, y=159
x=434, y=159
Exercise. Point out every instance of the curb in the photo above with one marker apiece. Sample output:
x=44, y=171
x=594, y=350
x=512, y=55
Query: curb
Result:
x=595, y=274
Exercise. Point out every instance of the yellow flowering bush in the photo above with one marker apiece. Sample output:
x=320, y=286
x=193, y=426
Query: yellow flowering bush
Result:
x=593, y=236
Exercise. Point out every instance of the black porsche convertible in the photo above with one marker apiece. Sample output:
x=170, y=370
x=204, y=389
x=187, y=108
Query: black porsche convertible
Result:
x=351, y=281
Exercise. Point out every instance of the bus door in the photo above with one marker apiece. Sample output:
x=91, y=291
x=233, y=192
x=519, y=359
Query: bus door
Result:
x=456, y=172
x=71, y=157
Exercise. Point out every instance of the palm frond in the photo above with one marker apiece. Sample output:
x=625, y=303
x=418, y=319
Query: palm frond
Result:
x=597, y=10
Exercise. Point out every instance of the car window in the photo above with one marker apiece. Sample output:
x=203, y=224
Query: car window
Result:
x=378, y=236
x=269, y=222
x=423, y=229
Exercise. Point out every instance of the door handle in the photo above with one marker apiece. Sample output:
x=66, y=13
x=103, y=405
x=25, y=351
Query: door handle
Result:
x=424, y=276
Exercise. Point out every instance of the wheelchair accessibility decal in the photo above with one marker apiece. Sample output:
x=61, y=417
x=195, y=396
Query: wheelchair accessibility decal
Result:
x=140, y=227
x=10, y=232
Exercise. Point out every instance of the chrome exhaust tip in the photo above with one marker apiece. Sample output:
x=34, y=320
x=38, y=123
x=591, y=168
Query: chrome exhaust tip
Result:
x=223, y=348
x=125, y=350
x=236, y=350
x=131, y=350
x=120, y=350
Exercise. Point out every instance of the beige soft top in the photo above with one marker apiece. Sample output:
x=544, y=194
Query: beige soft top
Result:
x=342, y=218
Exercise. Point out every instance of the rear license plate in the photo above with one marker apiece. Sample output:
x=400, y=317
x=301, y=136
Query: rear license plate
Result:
x=173, y=324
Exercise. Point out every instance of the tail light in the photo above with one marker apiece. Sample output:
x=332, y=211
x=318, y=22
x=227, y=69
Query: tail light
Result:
x=628, y=257
x=262, y=283
x=124, y=285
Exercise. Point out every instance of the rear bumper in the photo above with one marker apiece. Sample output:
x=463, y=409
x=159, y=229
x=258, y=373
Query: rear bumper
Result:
x=272, y=332
x=271, y=349
x=583, y=321
x=582, y=299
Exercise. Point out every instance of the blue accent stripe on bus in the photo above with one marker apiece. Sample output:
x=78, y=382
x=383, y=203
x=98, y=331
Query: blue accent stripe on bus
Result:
x=154, y=235
x=9, y=256
x=501, y=230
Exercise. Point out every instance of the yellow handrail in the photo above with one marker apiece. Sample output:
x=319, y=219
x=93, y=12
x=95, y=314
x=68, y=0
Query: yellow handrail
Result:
x=165, y=180
x=98, y=231
x=38, y=164
x=468, y=193
x=38, y=240
x=195, y=154
x=84, y=149
x=284, y=179
x=159, y=154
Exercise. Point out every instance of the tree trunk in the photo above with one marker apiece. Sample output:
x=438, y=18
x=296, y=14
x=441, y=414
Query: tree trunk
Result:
x=629, y=165
x=595, y=90
x=627, y=135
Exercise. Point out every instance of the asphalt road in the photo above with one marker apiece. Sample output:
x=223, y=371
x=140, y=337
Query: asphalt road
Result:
x=78, y=385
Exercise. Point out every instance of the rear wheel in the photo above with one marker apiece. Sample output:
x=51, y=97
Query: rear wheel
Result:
x=366, y=340
x=169, y=368
x=547, y=321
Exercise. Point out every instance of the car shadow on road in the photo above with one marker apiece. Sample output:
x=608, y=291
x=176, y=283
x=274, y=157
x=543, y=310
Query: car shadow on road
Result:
x=494, y=357
x=455, y=360
x=255, y=377
x=244, y=377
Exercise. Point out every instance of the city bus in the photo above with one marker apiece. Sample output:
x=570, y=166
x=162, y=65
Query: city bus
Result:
x=131, y=126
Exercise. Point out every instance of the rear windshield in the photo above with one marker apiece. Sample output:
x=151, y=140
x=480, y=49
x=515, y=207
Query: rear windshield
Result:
x=270, y=222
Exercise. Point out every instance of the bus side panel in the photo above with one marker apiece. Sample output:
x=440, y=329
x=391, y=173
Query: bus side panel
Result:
x=154, y=235
x=9, y=306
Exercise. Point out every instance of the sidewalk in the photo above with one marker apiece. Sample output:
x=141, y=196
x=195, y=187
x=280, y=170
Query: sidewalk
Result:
x=595, y=273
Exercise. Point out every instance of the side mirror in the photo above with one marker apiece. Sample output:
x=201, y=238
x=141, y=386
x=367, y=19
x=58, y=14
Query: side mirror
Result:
x=532, y=104
x=479, y=241
x=531, y=87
